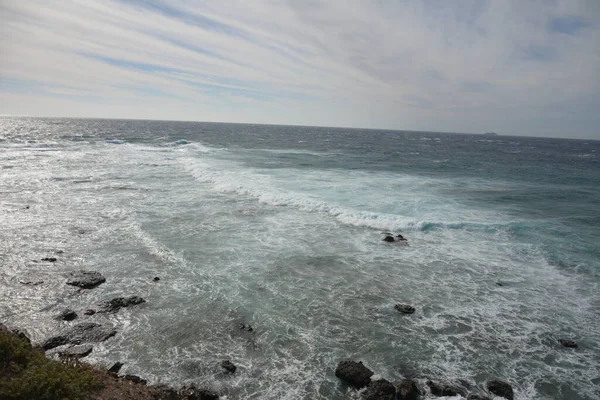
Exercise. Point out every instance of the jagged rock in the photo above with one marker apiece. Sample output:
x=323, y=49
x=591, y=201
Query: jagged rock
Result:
x=80, y=351
x=408, y=390
x=117, y=303
x=49, y=259
x=116, y=367
x=228, y=366
x=135, y=379
x=567, y=343
x=66, y=315
x=501, y=388
x=85, y=279
x=191, y=392
x=89, y=311
x=380, y=390
x=404, y=308
x=446, y=389
x=21, y=334
x=80, y=333
x=354, y=373
x=156, y=279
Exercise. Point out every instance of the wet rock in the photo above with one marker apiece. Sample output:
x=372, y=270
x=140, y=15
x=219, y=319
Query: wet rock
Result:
x=135, y=379
x=49, y=259
x=404, y=308
x=89, y=311
x=79, y=351
x=156, y=279
x=246, y=328
x=191, y=392
x=59, y=251
x=501, y=388
x=354, y=373
x=117, y=303
x=408, y=390
x=478, y=396
x=380, y=390
x=85, y=279
x=567, y=343
x=446, y=389
x=389, y=239
x=228, y=366
x=87, y=332
x=66, y=315
x=116, y=367
x=499, y=284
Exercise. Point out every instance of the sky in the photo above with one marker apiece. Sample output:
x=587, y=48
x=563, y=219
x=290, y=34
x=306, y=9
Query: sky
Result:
x=513, y=67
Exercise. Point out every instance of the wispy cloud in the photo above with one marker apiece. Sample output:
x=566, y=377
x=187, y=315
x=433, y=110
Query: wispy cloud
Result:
x=433, y=65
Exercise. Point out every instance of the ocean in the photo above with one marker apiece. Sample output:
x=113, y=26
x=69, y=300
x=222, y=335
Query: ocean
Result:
x=281, y=227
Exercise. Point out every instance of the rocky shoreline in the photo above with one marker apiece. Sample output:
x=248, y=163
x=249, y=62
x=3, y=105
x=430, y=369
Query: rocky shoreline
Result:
x=77, y=340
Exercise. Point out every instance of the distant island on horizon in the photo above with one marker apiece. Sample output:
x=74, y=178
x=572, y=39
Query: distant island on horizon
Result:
x=490, y=134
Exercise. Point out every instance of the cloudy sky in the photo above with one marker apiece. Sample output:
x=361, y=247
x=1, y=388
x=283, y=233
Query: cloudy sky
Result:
x=514, y=67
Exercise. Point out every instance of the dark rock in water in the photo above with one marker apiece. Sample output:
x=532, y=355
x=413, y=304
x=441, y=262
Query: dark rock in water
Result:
x=246, y=328
x=116, y=367
x=404, y=308
x=501, y=388
x=389, y=239
x=59, y=251
x=228, y=366
x=499, y=284
x=80, y=333
x=354, y=373
x=77, y=351
x=567, y=343
x=446, y=389
x=408, y=390
x=31, y=283
x=117, y=303
x=191, y=392
x=135, y=379
x=156, y=279
x=89, y=311
x=85, y=279
x=49, y=259
x=66, y=315
x=478, y=396
x=380, y=390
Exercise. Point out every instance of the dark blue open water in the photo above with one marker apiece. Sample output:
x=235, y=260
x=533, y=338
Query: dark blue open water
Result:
x=280, y=227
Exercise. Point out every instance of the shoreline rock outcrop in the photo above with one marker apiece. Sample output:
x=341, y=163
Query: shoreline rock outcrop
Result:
x=87, y=332
x=354, y=373
x=85, y=279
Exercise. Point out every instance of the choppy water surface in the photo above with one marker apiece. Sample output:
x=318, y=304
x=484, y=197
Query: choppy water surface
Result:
x=280, y=228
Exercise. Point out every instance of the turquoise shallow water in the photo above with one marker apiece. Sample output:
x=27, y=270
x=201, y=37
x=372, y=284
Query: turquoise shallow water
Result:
x=280, y=228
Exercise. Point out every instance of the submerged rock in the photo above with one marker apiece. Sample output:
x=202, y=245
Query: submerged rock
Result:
x=89, y=311
x=354, y=373
x=117, y=303
x=408, y=390
x=246, y=328
x=191, y=392
x=501, y=388
x=80, y=333
x=567, y=343
x=85, y=279
x=228, y=366
x=446, y=389
x=156, y=279
x=135, y=379
x=66, y=315
x=404, y=308
x=380, y=390
x=116, y=367
x=79, y=351
x=31, y=283
x=49, y=259
x=389, y=239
